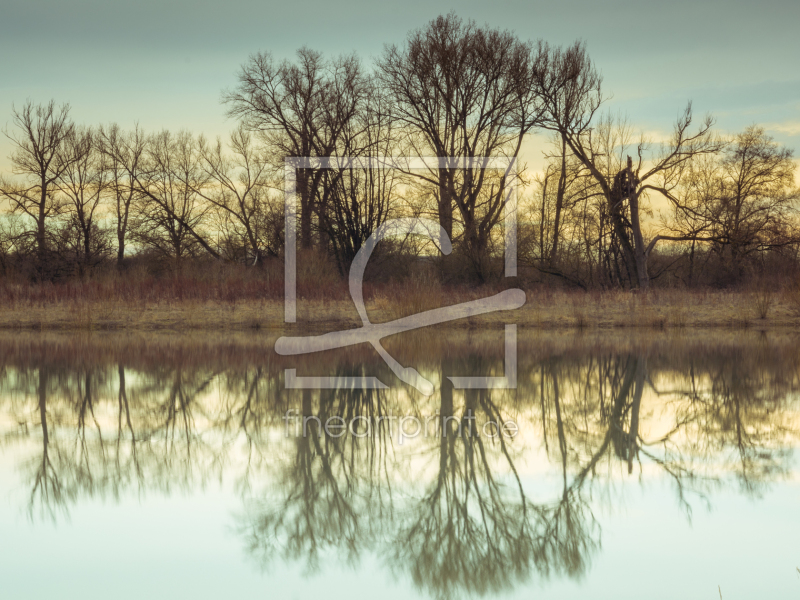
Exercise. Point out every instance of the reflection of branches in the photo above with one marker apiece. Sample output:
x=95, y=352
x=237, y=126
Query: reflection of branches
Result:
x=126, y=430
x=464, y=523
x=466, y=526
x=720, y=412
x=332, y=494
x=79, y=458
x=733, y=418
x=570, y=535
x=85, y=407
x=472, y=533
x=47, y=488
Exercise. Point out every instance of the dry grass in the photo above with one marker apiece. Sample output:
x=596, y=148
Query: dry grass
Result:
x=218, y=301
x=763, y=298
x=791, y=298
x=416, y=294
x=659, y=309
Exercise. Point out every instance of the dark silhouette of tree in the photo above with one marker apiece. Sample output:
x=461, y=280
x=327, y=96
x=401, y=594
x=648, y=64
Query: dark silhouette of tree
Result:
x=39, y=137
x=303, y=109
x=125, y=157
x=171, y=215
x=571, y=89
x=240, y=188
x=463, y=91
x=354, y=201
x=84, y=182
x=739, y=203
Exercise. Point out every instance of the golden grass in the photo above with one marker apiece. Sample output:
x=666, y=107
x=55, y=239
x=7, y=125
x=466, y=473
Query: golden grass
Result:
x=545, y=309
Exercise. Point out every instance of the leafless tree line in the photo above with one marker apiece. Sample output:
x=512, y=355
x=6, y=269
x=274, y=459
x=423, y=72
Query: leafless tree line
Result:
x=727, y=206
x=729, y=198
x=93, y=193
x=84, y=195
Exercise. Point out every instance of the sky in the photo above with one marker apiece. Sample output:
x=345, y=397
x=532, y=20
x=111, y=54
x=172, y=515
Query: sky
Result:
x=165, y=64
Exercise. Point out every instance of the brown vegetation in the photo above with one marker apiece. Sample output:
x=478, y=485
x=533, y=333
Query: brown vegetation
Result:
x=224, y=298
x=110, y=228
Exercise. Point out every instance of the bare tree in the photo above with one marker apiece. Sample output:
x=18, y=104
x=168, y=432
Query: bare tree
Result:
x=569, y=235
x=302, y=109
x=125, y=161
x=741, y=203
x=171, y=214
x=355, y=200
x=571, y=89
x=239, y=186
x=40, y=132
x=464, y=91
x=83, y=183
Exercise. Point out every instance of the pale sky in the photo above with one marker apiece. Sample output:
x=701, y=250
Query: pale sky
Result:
x=165, y=66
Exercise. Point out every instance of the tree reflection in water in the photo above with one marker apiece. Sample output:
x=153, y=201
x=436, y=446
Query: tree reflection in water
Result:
x=454, y=510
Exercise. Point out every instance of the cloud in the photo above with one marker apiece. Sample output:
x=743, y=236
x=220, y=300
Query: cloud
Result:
x=790, y=128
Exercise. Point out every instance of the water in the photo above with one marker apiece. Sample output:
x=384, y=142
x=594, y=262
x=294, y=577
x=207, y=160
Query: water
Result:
x=631, y=465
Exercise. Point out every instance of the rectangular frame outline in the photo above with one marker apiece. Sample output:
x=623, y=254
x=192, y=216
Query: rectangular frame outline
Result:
x=292, y=163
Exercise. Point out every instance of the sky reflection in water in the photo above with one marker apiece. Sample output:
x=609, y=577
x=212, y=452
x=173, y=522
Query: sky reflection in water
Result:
x=160, y=466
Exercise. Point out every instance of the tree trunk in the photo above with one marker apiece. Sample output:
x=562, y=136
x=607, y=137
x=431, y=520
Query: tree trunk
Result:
x=87, y=244
x=305, y=211
x=123, y=211
x=640, y=257
x=562, y=185
x=41, y=240
x=445, y=204
x=42, y=393
x=634, y=252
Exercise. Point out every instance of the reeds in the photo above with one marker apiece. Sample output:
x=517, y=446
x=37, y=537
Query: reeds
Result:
x=227, y=297
x=763, y=298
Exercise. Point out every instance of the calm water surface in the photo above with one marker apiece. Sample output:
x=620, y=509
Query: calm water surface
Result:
x=636, y=465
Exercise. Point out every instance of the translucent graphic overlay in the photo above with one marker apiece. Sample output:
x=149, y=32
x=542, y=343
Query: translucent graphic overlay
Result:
x=374, y=333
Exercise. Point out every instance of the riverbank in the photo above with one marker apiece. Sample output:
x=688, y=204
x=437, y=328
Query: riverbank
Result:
x=544, y=309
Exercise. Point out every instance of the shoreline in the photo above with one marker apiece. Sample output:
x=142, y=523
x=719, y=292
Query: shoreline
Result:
x=665, y=309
